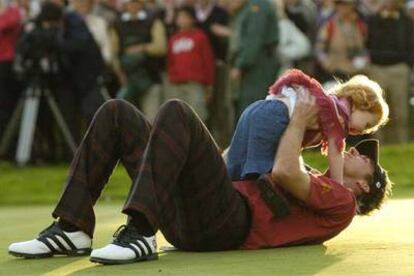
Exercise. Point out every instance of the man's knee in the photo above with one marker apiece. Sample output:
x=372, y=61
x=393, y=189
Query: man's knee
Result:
x=111, y=106
x=175, y=106
x=114, y=103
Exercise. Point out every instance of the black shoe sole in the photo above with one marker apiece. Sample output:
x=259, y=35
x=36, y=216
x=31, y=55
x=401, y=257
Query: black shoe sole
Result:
x=115, y=262
x=74, y=253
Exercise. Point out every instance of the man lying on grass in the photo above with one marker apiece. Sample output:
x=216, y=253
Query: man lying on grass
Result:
x=181, y=187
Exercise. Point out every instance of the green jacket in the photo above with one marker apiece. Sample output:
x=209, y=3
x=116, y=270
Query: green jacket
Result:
x=253, y=49
x=256, y=31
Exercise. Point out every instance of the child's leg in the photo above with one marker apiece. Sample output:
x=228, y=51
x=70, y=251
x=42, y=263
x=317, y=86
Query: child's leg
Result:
x=256, y=138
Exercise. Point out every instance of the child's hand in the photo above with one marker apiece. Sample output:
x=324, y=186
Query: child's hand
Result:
x=235, y=74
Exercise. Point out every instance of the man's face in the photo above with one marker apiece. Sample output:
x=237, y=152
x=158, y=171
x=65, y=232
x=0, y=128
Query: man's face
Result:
x=236, y=5
x=204, y=2
x=345, y=9
x=83, y=6
x=184, y=21
x=111, y=3
x=134, y=6
x=60, y=3
x=357, y=166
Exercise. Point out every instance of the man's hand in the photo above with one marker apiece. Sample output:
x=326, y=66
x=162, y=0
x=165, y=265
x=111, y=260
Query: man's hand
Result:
x=209, y=93
x=136, y=49
x=122, y=78
x=306, y=111
x=220, y=30
x=235, y=74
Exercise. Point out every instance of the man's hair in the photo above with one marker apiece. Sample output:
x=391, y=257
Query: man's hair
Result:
x=189, y=10
x=50, y=12
x=373, y=200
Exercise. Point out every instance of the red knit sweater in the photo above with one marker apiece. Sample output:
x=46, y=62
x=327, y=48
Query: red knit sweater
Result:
x=331, y=110
x=190, y=58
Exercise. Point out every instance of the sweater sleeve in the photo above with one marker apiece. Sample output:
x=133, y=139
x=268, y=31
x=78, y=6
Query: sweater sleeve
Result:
x=330, y=124
x=158, y=44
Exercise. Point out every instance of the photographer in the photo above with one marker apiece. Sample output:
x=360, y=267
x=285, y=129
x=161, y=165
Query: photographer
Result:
x=73, y=58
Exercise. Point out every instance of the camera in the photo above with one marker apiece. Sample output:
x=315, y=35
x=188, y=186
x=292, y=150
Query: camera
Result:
x=37, y=55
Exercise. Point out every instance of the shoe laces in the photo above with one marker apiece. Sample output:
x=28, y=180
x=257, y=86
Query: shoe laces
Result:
x=120, y=232
x=125, y=232
x=48, y=228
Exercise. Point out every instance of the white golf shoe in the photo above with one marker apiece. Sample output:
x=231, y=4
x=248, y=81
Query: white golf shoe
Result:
x=53, y=241
x=127, y=247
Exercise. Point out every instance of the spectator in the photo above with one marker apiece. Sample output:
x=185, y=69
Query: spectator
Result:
x=96, y=25
x=410, y=8
x=390, y=44
x=142, y=39
x=340, y=46
x=10, y=25
x=326, y=10
x=167, y=15
x=303, y=13
x=214, y=20
x=252, y=50
x=369, y=7
x=293, y=45
x=30, y=8
x=190, y=63
x=78, y=93
x=108, y=10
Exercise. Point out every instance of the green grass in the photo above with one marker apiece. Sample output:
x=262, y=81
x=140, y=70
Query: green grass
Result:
x=42, y=185
x=381, y=244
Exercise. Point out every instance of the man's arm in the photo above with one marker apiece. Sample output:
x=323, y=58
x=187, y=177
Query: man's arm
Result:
x=288, y=170
x=158, y=45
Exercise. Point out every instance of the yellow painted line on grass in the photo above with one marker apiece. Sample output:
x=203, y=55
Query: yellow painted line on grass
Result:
x=71, y=268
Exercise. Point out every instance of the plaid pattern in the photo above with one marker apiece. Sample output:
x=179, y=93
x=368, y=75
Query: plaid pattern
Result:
x=180, y=181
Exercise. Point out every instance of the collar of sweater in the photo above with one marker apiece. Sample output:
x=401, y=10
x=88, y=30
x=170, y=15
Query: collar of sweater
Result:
x=141, y=15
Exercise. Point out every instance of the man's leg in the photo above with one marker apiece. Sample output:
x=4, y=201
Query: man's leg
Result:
x=183, y=187
x=195, y=95
x=117, y=132
x=220, y=109
x=399, y=77
x=151, y=101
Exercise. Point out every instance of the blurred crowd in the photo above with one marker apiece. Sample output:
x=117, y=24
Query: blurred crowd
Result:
x=217, y=55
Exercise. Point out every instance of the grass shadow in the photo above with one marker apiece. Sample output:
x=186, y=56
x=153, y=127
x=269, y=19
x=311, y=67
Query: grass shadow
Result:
x=19, y=266
x=286, y=261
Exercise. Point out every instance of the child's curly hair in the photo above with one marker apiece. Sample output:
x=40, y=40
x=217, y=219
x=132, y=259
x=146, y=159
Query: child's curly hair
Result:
x=366, y=95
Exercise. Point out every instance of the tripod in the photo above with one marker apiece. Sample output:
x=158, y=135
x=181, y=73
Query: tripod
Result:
x=26, y=113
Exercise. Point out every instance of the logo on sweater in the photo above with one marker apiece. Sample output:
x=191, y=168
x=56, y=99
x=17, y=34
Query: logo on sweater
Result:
x=183, y=45
x=326, y=187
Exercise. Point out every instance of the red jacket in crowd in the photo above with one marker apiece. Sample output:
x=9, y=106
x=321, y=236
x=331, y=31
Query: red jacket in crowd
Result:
x=10, y=23
x=190, y=58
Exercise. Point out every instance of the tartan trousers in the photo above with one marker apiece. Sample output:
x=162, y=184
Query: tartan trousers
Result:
x=180, y=181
